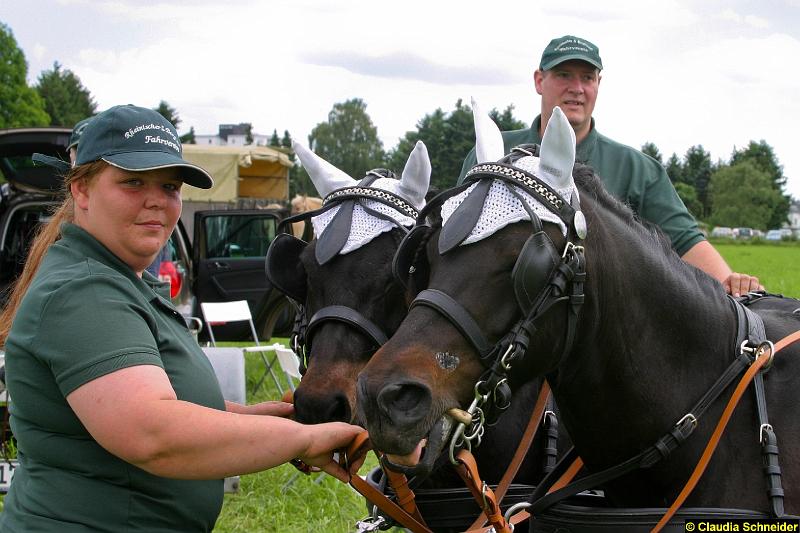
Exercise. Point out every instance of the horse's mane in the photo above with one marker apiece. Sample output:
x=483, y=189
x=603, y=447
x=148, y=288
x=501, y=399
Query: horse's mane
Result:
x=589, y=182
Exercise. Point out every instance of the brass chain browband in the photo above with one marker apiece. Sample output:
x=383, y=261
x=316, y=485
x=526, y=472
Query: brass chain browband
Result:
x=379, y=195
x=527, y=180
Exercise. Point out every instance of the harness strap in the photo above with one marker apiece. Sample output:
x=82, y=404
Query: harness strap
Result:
x=483, y=494
x=407, y=515
x=397, y=513
x=542, y=403
x=350, y=317
x=661, y=449
x=726, y=415
x=456, y=314
x=550, y=425
x=404, y=494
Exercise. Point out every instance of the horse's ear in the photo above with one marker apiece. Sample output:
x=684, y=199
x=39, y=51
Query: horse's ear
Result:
x=489, y=146
x=416, y=177
x=326, y=177
x=557, y=156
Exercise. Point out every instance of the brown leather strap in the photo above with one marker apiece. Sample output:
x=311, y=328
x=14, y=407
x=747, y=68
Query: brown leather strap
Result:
x=406, y=513
x=404, y=494
x=568, y=475
x=522, y=449
x=723, y=422
x=468, y=470
x=387, y=506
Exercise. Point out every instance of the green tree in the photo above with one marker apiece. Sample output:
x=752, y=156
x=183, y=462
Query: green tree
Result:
x=763, y=157
x=348, y=139
x=274, y=140
x=688, y=195
x=696, y=171
x=506, y=120
x=652, y=150
x=286, y=142
x=20, y=105
x=66, y=100
x=188, y=138
x=674, y=169
x=742, y=196
x=168, y=112
x=300, y=182
x=448, y=138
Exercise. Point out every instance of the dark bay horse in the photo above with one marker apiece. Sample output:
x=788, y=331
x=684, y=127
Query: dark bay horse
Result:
x=628, y=351
x=351, y=303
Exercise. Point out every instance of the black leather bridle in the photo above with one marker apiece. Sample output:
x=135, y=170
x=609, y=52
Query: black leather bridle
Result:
x=542, y=276
x=328, y=246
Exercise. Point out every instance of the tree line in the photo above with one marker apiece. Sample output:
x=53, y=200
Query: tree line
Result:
x=745, y=191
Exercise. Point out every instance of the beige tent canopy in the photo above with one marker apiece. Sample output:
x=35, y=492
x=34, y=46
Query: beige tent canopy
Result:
x=239, y=172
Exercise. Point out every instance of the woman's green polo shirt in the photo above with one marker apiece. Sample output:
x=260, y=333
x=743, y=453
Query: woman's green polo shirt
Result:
x=87, y=314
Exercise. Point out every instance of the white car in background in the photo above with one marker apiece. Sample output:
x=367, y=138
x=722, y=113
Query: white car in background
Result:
x=722, y=232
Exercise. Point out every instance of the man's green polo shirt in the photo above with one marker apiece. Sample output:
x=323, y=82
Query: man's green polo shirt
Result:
x=85, y=315
x=630, y=175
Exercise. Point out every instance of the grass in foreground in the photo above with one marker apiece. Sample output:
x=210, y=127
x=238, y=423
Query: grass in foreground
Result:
x=316, y=503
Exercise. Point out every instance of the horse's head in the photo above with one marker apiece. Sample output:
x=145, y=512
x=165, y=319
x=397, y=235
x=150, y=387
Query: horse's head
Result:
x=495, y=253
x=348, y=301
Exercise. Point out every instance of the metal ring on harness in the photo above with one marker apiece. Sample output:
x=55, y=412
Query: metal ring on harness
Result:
x=513, y=509
x=766, y=345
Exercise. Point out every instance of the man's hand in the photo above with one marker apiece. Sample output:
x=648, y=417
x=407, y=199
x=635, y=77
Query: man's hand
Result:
x=737, y=284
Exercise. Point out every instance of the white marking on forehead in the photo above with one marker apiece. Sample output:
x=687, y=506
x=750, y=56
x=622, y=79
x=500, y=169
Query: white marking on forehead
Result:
x=447, y=360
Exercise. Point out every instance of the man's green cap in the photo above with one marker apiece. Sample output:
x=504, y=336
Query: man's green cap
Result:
x=77, y=131
x=137, y=139
x=567, y=48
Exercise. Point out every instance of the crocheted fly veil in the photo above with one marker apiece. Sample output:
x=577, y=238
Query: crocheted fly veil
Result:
x=352, y=223
x=488, y=206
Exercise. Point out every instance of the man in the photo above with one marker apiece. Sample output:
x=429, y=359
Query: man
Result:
x=569, y=77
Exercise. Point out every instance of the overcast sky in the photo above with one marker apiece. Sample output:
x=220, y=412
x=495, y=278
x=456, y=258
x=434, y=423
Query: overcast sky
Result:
x=677, y=72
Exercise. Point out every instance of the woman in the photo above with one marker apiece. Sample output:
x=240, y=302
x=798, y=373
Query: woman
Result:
x=119, y=419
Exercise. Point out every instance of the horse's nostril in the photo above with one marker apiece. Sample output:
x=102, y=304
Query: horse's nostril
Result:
x=404, y=402
x=317, y=409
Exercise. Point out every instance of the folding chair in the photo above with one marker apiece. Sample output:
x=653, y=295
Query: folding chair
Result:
x=219, y=313
x=290, y=364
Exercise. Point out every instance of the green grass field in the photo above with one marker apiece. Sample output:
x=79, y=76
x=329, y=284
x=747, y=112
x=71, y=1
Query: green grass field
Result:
x=776, y=265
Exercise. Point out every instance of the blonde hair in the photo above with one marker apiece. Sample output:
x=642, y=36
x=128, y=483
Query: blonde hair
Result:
x=45, y=236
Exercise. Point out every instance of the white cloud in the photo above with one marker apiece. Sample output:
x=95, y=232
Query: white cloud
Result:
x=677, y=73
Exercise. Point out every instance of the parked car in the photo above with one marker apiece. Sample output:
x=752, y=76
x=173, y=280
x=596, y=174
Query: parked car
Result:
x=743, y=233
x=774, y=235
x=225, y=263
x=722, y=232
